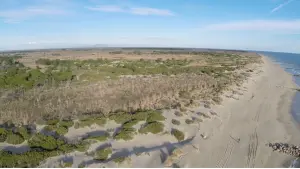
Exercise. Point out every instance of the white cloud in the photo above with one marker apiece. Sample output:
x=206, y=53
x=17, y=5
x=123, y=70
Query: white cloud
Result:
x=14, y=16
x=151, y=11
x=106, y=8
x=281, y=6
x=257, y=25
x=132, y=10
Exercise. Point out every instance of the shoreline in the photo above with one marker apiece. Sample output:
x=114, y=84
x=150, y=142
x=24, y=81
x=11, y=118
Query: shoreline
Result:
x=261, y=115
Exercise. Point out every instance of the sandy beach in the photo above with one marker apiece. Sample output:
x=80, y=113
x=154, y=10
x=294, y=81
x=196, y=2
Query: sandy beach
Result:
x=261, y=115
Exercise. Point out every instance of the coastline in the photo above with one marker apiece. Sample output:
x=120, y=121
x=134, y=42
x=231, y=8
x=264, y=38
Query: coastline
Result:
x=261, y=115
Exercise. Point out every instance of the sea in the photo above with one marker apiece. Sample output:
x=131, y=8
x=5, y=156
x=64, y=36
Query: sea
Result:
x=290, y=62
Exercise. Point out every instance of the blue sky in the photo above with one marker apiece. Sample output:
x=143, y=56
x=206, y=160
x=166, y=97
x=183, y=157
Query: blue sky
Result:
x=272, y=25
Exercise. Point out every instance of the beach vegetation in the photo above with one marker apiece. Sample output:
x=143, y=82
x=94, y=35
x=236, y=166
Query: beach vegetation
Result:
x=153, y=127
x=179, y=135
x=175, y=122
x=103, y=154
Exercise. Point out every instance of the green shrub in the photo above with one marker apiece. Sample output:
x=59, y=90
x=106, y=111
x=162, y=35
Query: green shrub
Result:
x=152, y=127
x=189, y=121
x=177, y=134
x=175, y=122
x=119, y=159
x=125, y=134
x=178, y=114
x=120, y=117
x=61, y=130
x=13, y=138
x=53, y=121
x=103, y=154
x=130, y=123
x=66, y=164
x=90, y=121
x=66, y=124
x=3, y=135
x=155, y=116
x=23, y=132
x=82, y=147
x=25, y=160
x=140, y=116
x=44, y=142
x=99, y=138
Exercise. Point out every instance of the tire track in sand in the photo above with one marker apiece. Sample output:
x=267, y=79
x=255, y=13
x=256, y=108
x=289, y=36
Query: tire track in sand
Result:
x=252, y=150
x=227, y=154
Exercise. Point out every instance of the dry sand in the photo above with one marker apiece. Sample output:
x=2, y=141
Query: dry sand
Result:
x=255, y=114
x=261, y=115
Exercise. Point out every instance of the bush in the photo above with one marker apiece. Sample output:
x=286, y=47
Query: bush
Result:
x=90, y=121
x=13, y=138
x=3, y=135
x=175, y=122
x=99, y=138
x=119, y=159
x=189, y=121
x=23, y=132
x=130, y=123
x=66, y=164
x=26, y=160
x=125, y=134
x=44, y=142
x=53, y=121
x=66, y=124
x=177, y=134
x=120, y=117
x=155, y=116
x=152, y=127
x=178, y=114
x=82, y=147
x=103, y=154
x=61, y=130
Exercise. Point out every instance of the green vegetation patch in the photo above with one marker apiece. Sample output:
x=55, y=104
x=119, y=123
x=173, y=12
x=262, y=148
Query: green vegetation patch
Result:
x=3, y=134
x=99, y=138
x=189, y=121
x=120, y=117
x=175, y=122
x=23, y=131
x=179, y=135
x=52, y=122
x=103, y=154
x=29, y=159
x=44, y=142
x=130, y=123
x=66, y=164
x=14, y=138
x=60, y=130
x=152, y=127
x=125, y=134
x=90, y=121
x=119, y=160
x=66, y=123
x=155, y=116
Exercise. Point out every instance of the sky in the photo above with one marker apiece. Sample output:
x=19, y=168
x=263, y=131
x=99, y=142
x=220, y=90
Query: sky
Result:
x=269, y=25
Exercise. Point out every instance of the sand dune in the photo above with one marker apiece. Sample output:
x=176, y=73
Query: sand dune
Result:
x=233, y=134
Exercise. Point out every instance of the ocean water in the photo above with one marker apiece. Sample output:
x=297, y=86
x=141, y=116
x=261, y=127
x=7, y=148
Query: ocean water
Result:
x=291, y=64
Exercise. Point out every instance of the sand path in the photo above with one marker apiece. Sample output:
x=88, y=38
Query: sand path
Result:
x=261, y=115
